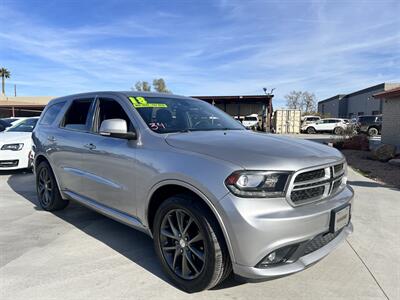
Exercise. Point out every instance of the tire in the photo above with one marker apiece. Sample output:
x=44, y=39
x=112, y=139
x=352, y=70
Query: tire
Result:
x=49, y=196
x=201, y=244
x=373, y=131
x=311, y=130
x=338, y=131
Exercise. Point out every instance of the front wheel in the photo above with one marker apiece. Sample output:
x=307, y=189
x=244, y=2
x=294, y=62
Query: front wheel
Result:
x=311, y=130
x=190, y=245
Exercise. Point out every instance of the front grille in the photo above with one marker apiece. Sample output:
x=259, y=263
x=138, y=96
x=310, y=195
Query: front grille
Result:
x=336, y=186
x=301, y=195
x=311, y=175
x=8, y=163
x=320, y=241
x=315, y=184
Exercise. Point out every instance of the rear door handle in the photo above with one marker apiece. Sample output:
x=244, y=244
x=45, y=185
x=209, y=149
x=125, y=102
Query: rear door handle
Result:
x=51, y=138
x=90, y=146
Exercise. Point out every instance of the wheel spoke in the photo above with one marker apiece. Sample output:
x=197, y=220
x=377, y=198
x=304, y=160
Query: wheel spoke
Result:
x=196, y=252
x=179, y=219
x=176, y=255
x=197, y=238
x=169, y=248
x=185, y=269
x=170, y=235
x=41, y=188
x=174, y=230
x=191, y=263
x=187, y=225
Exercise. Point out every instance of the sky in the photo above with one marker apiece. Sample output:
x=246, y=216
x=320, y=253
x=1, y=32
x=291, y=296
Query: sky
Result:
x=206, y=47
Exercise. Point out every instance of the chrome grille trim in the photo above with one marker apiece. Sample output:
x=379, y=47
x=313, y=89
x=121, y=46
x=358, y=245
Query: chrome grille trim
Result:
x=329, y=181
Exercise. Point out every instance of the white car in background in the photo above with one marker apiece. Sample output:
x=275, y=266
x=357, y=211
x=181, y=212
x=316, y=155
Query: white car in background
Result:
x=309, y=119
x=16, y=144
x=331, y=125
x=251, y=121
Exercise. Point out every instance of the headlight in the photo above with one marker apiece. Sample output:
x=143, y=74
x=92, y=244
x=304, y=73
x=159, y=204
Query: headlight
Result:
x=257, y=184
x=12, y=147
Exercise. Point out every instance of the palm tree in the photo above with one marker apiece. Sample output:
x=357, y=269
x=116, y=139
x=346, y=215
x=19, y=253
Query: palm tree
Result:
x=4, y=73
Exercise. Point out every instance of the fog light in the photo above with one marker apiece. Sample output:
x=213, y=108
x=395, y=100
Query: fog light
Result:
x=278, y=256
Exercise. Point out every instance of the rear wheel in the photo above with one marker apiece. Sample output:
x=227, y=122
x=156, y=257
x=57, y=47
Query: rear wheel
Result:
x=47, y=190
x=311, y=130
x=373, y=131
x=190, y=245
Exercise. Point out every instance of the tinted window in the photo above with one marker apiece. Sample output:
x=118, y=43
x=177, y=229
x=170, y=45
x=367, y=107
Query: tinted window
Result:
x=77, y=115
x=24, y=126
x=164, y=115
x=250, y=119
x=51, y=113
x=367, y=119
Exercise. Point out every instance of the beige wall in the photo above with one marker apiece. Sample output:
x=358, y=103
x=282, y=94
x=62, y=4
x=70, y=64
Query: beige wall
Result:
x=31, y=100
x=391, y=121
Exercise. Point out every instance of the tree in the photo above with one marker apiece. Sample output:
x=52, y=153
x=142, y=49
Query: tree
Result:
x=4, y=73
x=142, y=86
x=308, y=102
x=160, y=86
x=293, y=100
x=304, y=101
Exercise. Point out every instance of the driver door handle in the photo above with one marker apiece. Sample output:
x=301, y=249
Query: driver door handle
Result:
x=90, y=146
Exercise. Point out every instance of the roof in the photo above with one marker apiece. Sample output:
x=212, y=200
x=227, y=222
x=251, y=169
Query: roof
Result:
x=235, y=97
x=337, y=97
x=388, y=94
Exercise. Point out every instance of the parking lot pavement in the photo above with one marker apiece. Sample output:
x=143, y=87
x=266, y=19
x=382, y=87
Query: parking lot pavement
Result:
x=79, y=254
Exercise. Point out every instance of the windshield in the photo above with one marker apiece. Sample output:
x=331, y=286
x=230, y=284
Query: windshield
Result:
x=24, y=126
x=164, y=115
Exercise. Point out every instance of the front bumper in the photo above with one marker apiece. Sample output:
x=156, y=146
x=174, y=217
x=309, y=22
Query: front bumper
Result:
x=256, y=227
x=13, y=160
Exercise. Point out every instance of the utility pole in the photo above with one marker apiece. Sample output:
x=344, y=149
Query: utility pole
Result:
x=15, y=90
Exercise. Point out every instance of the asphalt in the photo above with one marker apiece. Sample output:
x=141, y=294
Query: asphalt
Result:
x=79, y=254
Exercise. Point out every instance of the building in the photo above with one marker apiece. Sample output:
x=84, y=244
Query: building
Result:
x=355, y=104
x=233, y=105
x=22, y=106
x=391, y=116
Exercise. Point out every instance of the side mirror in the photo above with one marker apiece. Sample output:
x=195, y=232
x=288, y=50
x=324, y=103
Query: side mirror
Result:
x=116, y=128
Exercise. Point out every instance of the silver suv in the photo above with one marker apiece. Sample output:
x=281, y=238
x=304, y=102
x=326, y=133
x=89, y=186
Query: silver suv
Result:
x=214, y=196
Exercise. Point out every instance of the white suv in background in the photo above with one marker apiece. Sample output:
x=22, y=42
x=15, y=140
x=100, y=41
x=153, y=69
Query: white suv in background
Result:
x=251, y=121
x=332, y=125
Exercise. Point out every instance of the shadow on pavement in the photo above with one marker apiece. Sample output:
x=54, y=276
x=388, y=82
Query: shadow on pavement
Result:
x=131, y=243
x=370, y=184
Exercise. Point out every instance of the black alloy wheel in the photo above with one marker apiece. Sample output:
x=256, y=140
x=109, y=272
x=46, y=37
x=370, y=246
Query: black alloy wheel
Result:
x=189, y=244
x=182, y=244
x=47, y=190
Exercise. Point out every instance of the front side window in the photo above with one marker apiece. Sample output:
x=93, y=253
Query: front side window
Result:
x=77, y=115
x=164, y=115
x=24, y=126
x=51, y=113
x=110, y=109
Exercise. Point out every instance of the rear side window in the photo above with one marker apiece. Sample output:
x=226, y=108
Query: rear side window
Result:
x=51, y=113
x=77, y=115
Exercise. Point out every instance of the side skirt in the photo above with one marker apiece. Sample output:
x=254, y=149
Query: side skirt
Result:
x=107, y=211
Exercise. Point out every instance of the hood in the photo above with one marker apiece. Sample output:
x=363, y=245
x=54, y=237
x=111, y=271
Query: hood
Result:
x=256, y=151
x=15, y=137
